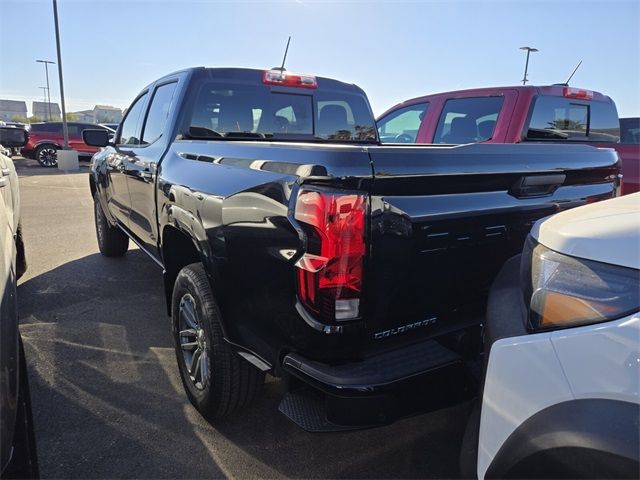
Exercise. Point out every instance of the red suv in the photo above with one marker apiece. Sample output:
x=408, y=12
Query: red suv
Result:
x=553, y=114
x=45, y=139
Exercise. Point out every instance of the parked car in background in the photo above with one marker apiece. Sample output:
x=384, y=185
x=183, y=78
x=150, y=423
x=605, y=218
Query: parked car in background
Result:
x=293, y=243
x=561, y=395
x=18, y=457
x=629, y=150
x=45, y=139
x=550, y=114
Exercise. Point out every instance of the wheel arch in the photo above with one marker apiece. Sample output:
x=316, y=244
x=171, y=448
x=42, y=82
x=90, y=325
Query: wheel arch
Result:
x=591, y=438
x=182, y=245
x=47, y=142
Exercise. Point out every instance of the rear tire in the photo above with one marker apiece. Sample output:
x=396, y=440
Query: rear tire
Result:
x=216, y=379
x=112, y=241
x=47, y=155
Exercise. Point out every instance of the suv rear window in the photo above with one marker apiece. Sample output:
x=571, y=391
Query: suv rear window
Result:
x=566, y=119
x=468, y=120
x=255, y=112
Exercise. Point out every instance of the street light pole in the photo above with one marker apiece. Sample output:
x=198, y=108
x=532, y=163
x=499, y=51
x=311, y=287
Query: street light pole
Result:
x=46, y=70
x=65, y=130
x=44, y=93
x=526, y=65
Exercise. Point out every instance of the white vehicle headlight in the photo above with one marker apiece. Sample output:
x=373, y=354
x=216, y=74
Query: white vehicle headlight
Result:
x=564, y=291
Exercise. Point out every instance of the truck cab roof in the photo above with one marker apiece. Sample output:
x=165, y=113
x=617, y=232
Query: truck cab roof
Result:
x=550, y=90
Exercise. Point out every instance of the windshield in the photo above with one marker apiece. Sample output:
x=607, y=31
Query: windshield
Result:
x=255, y=112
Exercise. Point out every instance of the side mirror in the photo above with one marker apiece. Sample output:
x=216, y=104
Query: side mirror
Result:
x=11, y=137
x=96, y=137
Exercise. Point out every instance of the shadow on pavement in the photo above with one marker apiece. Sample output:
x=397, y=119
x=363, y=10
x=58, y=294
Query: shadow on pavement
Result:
x=108, y=401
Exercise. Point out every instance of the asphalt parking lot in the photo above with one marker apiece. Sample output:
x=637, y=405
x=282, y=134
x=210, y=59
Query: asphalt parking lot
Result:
x=107, y=397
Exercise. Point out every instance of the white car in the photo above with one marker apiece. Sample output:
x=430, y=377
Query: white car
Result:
x=561, y=389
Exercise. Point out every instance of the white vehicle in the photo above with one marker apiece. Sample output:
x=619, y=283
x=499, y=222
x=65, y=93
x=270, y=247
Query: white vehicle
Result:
x=561, y=389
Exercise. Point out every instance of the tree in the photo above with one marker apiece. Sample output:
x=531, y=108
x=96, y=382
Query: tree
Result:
x=20, y=119
x=71, y=117
x=34, y=119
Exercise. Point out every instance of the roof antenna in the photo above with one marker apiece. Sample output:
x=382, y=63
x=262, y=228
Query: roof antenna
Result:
x=284, y=59
x=573, y=73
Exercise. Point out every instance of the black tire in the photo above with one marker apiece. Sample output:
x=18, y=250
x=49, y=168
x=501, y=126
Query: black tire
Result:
x=232, y=382
x=112, y=241
x=46, y=155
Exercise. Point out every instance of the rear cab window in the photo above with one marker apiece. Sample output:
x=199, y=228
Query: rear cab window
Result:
x=468, y=120
x=402, y=125
x=253, y=111
x=555, y=118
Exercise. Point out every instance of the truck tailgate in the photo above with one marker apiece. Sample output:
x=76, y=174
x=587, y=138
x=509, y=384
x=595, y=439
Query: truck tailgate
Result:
x=444, y=220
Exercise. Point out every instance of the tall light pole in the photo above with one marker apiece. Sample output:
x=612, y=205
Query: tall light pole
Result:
x=65, y=130
x=46, y=70
x=44, y=94
x=526, y=65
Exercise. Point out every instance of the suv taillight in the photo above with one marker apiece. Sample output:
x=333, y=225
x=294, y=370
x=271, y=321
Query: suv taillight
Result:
x=329, y=274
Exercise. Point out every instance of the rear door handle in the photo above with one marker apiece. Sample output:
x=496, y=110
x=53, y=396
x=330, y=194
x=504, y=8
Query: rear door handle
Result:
x=6, y=171
x=537, y=185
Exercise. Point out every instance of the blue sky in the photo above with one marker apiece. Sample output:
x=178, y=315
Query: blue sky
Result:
x=394, y=50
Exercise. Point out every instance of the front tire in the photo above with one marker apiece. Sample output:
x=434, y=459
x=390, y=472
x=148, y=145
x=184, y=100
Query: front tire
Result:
x=47, y=155
x=216, y=379
x=112, y=241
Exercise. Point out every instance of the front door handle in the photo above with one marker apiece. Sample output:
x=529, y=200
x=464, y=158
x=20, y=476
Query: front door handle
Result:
x=147, y=175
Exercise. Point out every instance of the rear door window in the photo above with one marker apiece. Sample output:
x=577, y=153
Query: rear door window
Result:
x=402, y=125
x=565, y=119
x=468, y=120
x=158, y=112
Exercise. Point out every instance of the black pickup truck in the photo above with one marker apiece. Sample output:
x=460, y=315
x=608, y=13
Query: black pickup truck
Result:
x=293, y=243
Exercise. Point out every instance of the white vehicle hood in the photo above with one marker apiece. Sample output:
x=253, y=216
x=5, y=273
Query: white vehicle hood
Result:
x=606, y=231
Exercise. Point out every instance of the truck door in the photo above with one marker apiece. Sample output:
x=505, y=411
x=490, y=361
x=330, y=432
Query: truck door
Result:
x=142, y=167
x=127, y=145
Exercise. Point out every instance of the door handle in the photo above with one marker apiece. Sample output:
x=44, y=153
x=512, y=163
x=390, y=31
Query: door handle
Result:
x=6, y=171
x=146, y=174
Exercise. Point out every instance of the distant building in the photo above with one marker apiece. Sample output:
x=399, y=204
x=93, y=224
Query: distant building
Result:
x=107, y=114
x=41, y=109
x=84, y=116
x=11, y=108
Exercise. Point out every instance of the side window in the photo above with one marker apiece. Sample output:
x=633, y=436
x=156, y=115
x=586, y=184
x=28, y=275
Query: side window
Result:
x=74, y=129
x=402, y=125
x=158, y=112
x=130, y=128
x=468, y=120
x=630, y=130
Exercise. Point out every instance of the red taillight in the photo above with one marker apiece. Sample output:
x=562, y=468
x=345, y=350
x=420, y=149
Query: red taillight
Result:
x=285, y=79
x=330, y=272
x=577, y=93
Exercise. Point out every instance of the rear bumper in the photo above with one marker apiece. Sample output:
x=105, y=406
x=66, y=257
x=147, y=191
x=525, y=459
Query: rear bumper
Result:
x=381, y=388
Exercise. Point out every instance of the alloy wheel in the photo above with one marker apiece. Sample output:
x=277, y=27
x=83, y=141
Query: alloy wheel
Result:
x=48, y=157
x=193, y=342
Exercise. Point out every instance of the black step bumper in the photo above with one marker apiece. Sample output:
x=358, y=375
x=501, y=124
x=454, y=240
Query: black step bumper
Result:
x=377, y=390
